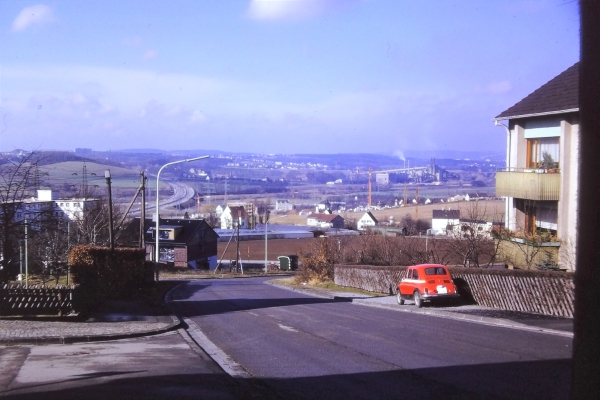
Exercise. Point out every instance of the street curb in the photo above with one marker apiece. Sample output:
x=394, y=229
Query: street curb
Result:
x=174, y=324
x=500, y=322
x=435, y=313
x=228, y=365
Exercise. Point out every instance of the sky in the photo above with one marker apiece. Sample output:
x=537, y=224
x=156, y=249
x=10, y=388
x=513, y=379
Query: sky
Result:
x=275, y=76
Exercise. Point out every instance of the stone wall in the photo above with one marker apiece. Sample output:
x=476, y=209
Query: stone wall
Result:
x=541, y=292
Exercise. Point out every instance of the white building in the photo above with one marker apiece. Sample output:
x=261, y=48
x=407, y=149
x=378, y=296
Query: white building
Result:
x=234, y=216
x=368, y=220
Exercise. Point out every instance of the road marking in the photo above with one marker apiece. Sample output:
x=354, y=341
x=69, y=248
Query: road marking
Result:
x=250, y=312
x=287, y=328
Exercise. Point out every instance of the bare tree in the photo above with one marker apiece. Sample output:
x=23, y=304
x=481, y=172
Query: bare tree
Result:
x=472, y=241
x=17, y=181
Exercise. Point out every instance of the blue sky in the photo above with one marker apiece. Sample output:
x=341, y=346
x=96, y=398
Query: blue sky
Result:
x=274, y=76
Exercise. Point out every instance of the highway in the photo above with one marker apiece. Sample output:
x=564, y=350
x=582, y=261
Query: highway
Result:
x=308, y=348
x=181, y=194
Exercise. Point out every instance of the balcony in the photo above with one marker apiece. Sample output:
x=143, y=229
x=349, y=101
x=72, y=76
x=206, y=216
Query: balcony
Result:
x=530, y=184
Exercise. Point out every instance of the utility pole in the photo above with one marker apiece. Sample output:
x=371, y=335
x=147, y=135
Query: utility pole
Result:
x=26, y=256
x=110, y=212
x=143, y=210
x=369, y=189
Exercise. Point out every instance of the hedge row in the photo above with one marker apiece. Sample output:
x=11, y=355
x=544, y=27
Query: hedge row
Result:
x=100, y=273
x=541, y=292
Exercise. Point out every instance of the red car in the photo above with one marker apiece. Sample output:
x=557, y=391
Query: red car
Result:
x=424, y=283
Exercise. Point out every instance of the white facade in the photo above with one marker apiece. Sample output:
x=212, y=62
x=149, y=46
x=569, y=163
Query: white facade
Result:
x=366, y=221
x=234, y=216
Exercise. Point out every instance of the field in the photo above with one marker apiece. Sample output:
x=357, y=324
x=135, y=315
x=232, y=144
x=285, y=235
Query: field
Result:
x=491, y=210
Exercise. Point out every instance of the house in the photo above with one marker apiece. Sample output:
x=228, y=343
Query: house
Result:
x=475, y=196
x=323, y=207
x=182, y=242
x=45, y=209
x=540, y=183
x=234, y=216
x=325, y=221
x=283, y=205
x=368, y=220
x=444, y=221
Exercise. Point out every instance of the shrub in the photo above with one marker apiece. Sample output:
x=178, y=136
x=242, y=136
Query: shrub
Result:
x=101, y=274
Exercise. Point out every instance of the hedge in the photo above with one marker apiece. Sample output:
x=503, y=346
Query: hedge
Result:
x=100, y=273
x=541, y=292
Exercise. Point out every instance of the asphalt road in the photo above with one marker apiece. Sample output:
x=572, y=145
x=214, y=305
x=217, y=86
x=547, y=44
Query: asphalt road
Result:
x=181, y=194
x=308, y=348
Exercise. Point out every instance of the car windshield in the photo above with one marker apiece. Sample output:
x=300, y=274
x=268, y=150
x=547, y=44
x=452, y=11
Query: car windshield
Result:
x=435, y=271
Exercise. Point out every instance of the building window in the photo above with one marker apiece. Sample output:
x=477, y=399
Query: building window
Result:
x=543, y=152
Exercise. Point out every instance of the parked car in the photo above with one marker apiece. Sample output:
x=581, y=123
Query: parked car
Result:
x=424, y=283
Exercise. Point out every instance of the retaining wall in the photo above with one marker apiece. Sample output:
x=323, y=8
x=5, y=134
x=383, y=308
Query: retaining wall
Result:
x=541, y=292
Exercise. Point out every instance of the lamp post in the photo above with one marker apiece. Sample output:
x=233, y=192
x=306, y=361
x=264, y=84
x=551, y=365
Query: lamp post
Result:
x=156, y=254
x=266, y=237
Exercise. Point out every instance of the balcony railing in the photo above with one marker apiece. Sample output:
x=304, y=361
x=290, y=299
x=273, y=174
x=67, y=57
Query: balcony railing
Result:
x=530, y=184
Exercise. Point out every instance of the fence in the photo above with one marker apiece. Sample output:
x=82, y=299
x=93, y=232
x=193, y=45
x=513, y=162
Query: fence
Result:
x=17, y=300
x=541, y=292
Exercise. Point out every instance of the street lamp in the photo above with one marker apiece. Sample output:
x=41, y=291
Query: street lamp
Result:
x=266, y=232
x=156, y=254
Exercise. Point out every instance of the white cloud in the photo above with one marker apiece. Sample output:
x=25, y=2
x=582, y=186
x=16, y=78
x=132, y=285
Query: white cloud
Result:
x=39, y=14
x=150, y=54
x=293, y=9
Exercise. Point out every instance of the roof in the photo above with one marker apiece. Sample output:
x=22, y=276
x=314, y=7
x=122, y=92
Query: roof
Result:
x=446, y=214
x=370, y=214
x=324, y=217
x=189, y=227
x=559, y=95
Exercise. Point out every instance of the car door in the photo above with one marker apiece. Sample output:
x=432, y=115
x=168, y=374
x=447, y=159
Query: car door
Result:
x=406, y=285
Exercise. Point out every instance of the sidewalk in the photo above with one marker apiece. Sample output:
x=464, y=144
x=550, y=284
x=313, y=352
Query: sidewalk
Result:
x=473, y=313
x=115, y=320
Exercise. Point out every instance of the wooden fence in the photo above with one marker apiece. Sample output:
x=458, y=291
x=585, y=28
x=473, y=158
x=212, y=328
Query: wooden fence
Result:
x=541, y=292
x=17, y=300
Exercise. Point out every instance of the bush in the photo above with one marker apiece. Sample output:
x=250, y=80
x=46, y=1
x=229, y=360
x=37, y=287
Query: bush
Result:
x=317, y=261
x=101, y=274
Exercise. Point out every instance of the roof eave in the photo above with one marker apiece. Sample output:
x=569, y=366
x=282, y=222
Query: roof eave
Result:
x=569, y=110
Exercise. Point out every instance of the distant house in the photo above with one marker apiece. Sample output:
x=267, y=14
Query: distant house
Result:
x=283, y=205
x=325, y=221
x=305, y=211
x=443, y=222
x=368, y=220
x=233, y=216
x=322, y=207
x=475, y=196
x=184, y=243
x=458, y=197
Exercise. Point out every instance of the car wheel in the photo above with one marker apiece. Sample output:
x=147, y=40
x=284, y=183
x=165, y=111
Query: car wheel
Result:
x=399, y=298
x=417, y=298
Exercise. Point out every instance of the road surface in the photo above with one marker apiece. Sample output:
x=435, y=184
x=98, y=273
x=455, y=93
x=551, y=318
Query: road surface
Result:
x=307, y=348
